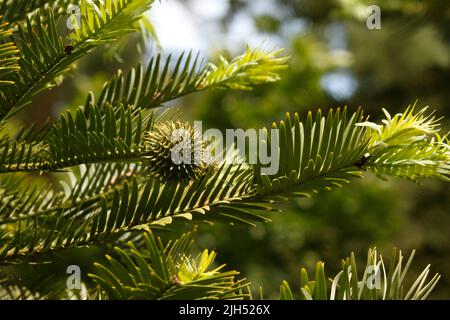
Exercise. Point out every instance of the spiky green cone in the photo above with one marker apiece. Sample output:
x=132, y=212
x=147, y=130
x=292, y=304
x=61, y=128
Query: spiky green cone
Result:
x=186, y=142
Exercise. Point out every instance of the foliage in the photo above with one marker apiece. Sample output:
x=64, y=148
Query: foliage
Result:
x=8, y=58
x=376, y=283
x=166, y=272
x=117, y=185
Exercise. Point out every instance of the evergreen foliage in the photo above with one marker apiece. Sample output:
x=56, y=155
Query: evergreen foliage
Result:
x=118, y=190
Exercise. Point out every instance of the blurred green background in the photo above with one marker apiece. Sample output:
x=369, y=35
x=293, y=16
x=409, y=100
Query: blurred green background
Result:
x=335, y=61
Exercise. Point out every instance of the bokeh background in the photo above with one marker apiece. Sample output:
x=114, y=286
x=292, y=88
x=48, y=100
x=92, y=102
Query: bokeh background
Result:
x=335, y=61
